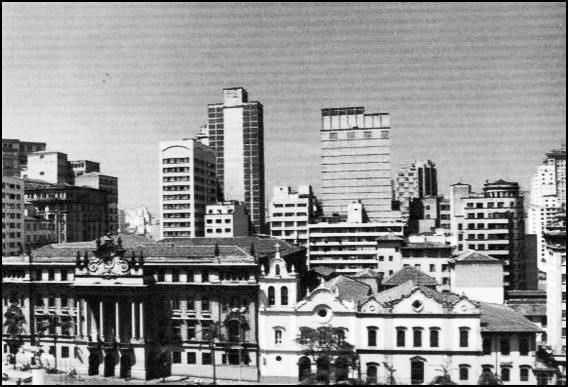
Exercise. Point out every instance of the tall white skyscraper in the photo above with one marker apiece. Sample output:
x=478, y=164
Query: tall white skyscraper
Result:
x=187, y=186
x=356, y=161
x=547, y=198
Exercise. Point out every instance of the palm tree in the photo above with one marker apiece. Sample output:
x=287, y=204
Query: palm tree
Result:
x=488, y=378
x=14, y=321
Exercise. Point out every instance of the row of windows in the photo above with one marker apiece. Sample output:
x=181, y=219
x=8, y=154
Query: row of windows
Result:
x=279, y=214
x=385, y=134
x=176, y=160
x=434, y=338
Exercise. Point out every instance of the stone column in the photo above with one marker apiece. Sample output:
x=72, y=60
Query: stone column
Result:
x=86, y=319
x=117, y=321
x=132, y=321
x=141, y=315
x=101, y=321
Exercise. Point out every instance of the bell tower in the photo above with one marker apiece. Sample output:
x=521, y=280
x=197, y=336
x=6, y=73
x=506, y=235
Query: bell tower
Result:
x=278, y=285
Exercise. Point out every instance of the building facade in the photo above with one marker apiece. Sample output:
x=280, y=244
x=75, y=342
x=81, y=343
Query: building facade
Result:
x=236, y=134
x=416, y=180
x=350, y=245
x=406, y=334
x=107, y=185
x=356, y=161
x=493, y=224
x=291, y=212
x=187, y=186
x=13, y=216
x=226, y=220
x=15, y=155
x=132, y=301
x=80, y=167
x=547, y=197
x=51, y=167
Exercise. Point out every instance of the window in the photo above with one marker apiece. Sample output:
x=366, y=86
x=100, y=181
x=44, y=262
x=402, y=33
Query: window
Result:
x=191, y=358
x=333, y=136
x=464, y=337
x=176, y=357
x=278, y=336
x=65, y=352
x=524, y=345
x=464, y=372
x=487, y=346
x=505, y=374
x=417, y=334
x=190, y=331
x=271, y=296
x=204, y=276
x=524, y=374
x=206, y=358
x=400, y=337
x=372, y=336
x=63, y=275
x=434, y=337
x=432, y=268
x=50, y=275
x=277, y=270
x=205, y=304
x=283, y=295
x=175, y=276
x=505, y=347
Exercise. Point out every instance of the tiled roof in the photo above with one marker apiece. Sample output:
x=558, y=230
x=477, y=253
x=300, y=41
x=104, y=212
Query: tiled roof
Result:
x=263, y=246
x=152, y=251
x=529, y=309
x=501, y=318
x=407, y=288
x=349, y=289
x=323, y=270
x=474, y=256
x=410, y=273
x=366, y=273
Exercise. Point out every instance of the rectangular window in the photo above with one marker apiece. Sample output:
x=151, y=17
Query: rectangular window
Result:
x=205, y=304
x=191, y=358
x=205, y=276
x=417, y=333
x=400, y=337
x=65, y=352
x=505, y=346
x=464, y=337
x=206, y=358
x=176, y=357
x=524, y=345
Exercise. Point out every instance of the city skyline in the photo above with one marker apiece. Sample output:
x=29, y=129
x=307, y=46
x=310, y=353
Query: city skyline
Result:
x=462, y=70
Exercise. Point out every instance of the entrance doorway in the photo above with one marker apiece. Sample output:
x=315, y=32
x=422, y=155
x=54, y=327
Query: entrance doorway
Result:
x=417, y=372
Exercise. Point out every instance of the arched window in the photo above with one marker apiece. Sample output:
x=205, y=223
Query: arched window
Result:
x=400, y=337
x=283, y=295
x=271, y=296
x=372, y=336
x=464, y=372
x=524, y=374
x=417, y=334
x=434, y=337
x=505, y=374
x=277, y=270
x=464, y=337
x=278, y=336
x=372, y=374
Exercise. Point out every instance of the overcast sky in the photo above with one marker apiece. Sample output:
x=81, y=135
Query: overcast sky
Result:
x=478, y=88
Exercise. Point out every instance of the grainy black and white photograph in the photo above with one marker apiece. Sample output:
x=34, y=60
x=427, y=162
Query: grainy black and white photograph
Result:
x=284, y=193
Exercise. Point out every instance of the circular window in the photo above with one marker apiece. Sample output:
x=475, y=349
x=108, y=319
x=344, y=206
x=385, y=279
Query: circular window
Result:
x=323, y=314
x=417, y=306
x=278, y=358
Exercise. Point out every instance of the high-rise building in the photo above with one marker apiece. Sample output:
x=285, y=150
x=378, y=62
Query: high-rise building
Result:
x=226, y=220
x=15, y=155
x=416, y=180
x=12, y=216
x=555, y=239
x=51, y=167
x=236, y=134
x=291, y=212
x=547, y=196
x=356, y=161
x=187, y=186
x=493, y=224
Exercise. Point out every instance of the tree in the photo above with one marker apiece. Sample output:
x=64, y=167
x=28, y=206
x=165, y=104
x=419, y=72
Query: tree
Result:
x=51, y=323
x=14, y=321
x=333, y=355
x=488, y=378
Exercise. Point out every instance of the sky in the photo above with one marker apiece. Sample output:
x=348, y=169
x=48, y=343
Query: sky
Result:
x=479, y=88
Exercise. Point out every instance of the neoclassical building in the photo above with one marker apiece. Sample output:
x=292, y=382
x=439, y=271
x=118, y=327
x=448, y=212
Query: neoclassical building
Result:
x=127, y=306
x=406, y=331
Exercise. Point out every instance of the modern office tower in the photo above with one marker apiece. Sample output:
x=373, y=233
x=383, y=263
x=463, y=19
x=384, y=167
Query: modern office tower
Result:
x=80, y=167
x=493, y=224
x=12, y=216
x=555, y=239
x=445, y=214
x=109, y=186
x=51, y=167
x=290, y=212
x=547, y=197
x=458, y=191
x=187, y=186
x=349, y=244
x=356, y=161
x=77, y=213
x=236, y=134
x=226, y=220
x=415, y=181
x=15, y=155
